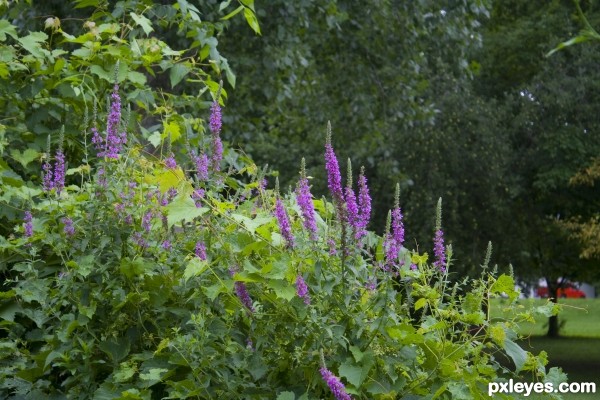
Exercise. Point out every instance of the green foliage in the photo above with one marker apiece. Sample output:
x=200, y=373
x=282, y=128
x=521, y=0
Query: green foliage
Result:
x=141, y=279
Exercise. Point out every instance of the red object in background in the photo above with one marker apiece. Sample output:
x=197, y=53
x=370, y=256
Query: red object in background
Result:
x=569, y=291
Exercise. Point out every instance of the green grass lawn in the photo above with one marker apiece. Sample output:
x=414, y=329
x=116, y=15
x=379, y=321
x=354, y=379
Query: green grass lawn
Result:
x=577, y=352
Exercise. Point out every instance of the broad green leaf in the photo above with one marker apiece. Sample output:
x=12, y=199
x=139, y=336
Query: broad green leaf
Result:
x=136, y=77
x=177, y=73
x=154, y=374
x=224, y=5
x=31, y=43
x=86, y=3
x=505, y=284
x=286, y=396
x=183, y=208
x=173, y=129
x=26, y=157
x=116, y=348
x=125, y=372
x=101, y=73
x=282, y=289
x=352, y=373
x=6, y=28
x=142, y=21
x=514, y=351
x=420, y=303
x=195, y=267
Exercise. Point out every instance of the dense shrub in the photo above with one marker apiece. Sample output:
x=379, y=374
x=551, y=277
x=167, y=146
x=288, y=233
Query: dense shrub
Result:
x=179, y=269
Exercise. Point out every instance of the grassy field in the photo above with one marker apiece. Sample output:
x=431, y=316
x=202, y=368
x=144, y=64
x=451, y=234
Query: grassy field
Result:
x=577, y=352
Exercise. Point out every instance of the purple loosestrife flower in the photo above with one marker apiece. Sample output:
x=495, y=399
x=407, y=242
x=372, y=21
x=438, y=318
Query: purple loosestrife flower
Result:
x=59, y=172
x=147, y=221
x=217, y=154
x=351, y=208
x=138, y=239
x=170, y=162
x=335, y=385
x=332, y=249
x=439, y=251
x=284, y=223
x=200, y=251
x=364, y=206
x=102, y=178
x=69, y=229
x=304, y=199
x=302, y=289
x=167, y=245
x=334, y=179
x=202, y=162
x=114, y=140
x=215, y=122
x=48, y=180
x=397, y=227
x=98, y=140
x=198, y=195
x=28, y=226
x=242, y=293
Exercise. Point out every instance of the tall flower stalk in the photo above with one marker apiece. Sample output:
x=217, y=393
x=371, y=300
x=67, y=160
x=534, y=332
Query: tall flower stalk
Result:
x=438, y=241
x=304, y=199
x=334, y=179
x=364, y=206
x=215, y=124
x=284, y=222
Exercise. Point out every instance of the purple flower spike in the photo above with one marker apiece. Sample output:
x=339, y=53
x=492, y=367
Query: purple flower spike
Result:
x=200, y=251
x=202, y=161
x=166, y=245
x=59, y=172
x=284, y=223
x=302, y=289
x=48, y=179
x=439, y=251
x=335, y=385
x=364, y=207
x=170, y=162
x=242, y=293
x=215, y=123
x=28, y=224
x=334, y=179
x=397, y=227
x=352, y=208
x=306, y=206
x=69, y=229
x=217, y=155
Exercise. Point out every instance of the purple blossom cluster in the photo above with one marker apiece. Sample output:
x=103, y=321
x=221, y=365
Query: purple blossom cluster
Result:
x=170, y=162
x=197, y=196
x=215, y=122
x=200, y=251
x=394, y=240
x=302, y=289
x=69, y=229
x=241, y=292
x=112, y=144
x=351, y=208
x=334, y=179
x=202, y=162
x=147, y=220
x=304, y=199
x=364, y=207
x=335, y=385
x=284, y=223
x=217, y=154
x=167, y=245
x=54, y=178
x=28, y=226
x=439, y=251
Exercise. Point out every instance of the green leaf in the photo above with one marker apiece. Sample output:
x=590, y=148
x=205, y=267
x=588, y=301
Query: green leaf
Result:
x=420, y=303
x=116, y=348
x=177, y=73
x=195, y=267
x=136, y=77
x=101, y=73
x=154, y=374
x=183, y=208
x=26, y=157
x=352, y=373
x=282, y=289
x=286, y=396
x=6, y=28
x=86, y=3
x=224, y=5
x=142, y=21
x=31, y=43
x=252, y=21
x=505, y=284
x=233, y=13
x=514, y=351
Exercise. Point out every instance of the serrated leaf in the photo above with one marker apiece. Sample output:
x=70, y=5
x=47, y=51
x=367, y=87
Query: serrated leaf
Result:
x=136, y=77
x=282, y=289
x=125, y=372
x=352, y=373
x=31, y=43
x=26, y=157
x=116, y=348
x=142, y=21
x=177, y=73
x=286, y=396
x=183, y=208
x=6, y=28
x=195, y=267
x=101, y=73
x=420, y=303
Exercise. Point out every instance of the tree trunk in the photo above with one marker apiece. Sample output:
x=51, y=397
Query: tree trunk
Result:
x=553, y=327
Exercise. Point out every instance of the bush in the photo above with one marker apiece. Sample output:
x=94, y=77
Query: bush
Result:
x=189, y=275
